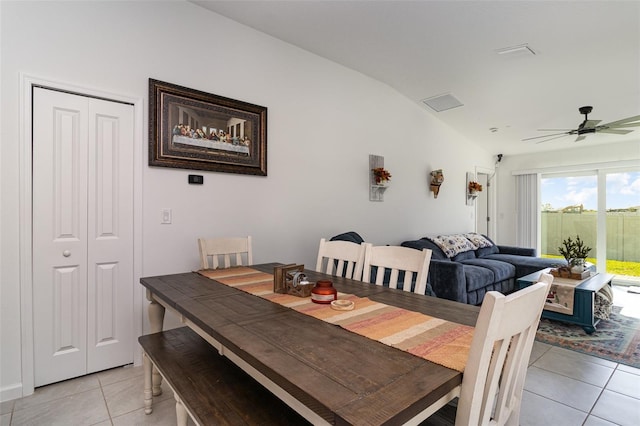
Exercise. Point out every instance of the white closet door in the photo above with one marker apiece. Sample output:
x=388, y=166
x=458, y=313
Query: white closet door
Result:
x=110, y=235
x=82, y=235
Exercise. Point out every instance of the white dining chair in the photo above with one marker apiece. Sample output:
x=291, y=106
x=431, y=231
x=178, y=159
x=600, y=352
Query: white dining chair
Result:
x=225, y=252
x=493, y=380
x=395, y=259
x=341, y=258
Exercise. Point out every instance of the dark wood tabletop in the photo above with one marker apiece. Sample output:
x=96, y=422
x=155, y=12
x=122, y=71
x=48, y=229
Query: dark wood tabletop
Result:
x=343, y=377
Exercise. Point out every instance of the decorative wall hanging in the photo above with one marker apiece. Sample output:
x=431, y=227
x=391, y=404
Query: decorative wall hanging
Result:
x=436, y=180
x=379, y=178
x=190, y=129
x=473, y=188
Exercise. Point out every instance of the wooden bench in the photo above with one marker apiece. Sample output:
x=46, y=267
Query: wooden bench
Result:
x=207, y=386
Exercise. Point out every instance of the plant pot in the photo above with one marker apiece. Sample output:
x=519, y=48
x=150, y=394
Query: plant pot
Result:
x=578, y=266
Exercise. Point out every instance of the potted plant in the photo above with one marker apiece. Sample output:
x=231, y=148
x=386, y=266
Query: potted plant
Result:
x=381, y=176
x=575, y=252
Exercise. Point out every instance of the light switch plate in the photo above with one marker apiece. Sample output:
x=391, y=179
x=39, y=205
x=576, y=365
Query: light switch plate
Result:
x=165, y=216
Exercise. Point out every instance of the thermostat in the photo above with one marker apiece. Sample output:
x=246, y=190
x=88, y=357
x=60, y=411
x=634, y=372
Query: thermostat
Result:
x=196, y=179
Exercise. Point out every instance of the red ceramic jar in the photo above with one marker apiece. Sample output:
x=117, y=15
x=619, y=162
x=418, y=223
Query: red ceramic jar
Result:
x=324, y=292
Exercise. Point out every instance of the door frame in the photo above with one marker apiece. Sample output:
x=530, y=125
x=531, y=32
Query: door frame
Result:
x=492, y=183
x=27, y=82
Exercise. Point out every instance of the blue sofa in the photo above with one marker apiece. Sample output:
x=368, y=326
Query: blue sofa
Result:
x=468, y=271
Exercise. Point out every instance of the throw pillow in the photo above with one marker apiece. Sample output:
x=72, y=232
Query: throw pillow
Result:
x=451, y=245
x=478, y=240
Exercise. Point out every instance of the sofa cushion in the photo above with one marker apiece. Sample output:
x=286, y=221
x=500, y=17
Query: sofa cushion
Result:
x=525, y=265
x=484, y=251
x=501, y=270
x=477, y=276
x=436, y=252
x=451, y=245
x=465, y=255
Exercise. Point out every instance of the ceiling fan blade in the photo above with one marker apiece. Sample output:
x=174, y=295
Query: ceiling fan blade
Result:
x=623, y=121
x=555, y=130
x=557, y=137
x=580, y=138
x=615, y=131
x=590, y=124
x=547, y=136
x=619, y=126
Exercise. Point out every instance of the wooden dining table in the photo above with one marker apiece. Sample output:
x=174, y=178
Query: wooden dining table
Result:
x=326, y=373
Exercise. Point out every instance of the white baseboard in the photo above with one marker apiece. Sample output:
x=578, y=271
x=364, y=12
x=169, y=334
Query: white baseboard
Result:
x=10, y=392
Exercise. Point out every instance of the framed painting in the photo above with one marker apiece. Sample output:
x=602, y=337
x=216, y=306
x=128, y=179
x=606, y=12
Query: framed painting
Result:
x=190, y=129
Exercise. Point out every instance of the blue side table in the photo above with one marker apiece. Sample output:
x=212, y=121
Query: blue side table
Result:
x=583, y=299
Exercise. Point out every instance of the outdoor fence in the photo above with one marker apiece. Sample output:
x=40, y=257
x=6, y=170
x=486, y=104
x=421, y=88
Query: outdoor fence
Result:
x=623, y=233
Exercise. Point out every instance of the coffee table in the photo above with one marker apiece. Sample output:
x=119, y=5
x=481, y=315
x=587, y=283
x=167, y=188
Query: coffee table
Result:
x=583, y=302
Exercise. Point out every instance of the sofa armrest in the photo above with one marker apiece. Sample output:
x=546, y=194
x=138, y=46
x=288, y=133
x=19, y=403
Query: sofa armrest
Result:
x=521, y=251
x=448, y=280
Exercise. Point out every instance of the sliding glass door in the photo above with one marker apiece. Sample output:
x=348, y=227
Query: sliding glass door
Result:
x=600, y=206
x=623, y=223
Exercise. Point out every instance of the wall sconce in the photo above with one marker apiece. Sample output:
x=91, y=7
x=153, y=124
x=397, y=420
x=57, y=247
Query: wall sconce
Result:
x=379, y=178
x=436, y=180
x=473, y=188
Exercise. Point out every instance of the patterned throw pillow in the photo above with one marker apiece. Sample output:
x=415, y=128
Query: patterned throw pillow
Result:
x=451, y=245
x=478, y=240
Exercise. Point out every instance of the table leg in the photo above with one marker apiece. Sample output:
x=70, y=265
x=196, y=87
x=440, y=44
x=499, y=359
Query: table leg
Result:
x=147, y=366
x=182, y=416
x=156, y=320
x=156, y=314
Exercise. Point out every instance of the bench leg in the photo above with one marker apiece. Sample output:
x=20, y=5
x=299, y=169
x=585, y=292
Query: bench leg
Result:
x=147, y=365
x=181, y=413
x=156, y=380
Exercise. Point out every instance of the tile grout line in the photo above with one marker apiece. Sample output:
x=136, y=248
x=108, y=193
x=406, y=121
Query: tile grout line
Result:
x=104, y=398
x=600, y=395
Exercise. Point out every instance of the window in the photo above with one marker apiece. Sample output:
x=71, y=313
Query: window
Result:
x=603, y=208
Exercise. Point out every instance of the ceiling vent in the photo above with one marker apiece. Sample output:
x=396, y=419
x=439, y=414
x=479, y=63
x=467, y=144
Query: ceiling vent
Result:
x=442, y=102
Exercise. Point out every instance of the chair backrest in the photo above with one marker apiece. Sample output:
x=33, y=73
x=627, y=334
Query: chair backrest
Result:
x=225, y=252
x=493, y=379
x=341, y=258
x=397, y=259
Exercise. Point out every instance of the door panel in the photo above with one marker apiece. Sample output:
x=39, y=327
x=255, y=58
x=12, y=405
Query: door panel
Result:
x=68, y=338
x=59, y=235
x=82, y=235
x=110, y=239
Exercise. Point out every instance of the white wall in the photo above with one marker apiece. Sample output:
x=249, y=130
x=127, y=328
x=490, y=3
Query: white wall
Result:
x=323, y=122
x=584, y=155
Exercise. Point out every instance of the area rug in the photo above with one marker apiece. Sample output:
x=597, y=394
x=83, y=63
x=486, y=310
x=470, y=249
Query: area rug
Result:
x=616, y=339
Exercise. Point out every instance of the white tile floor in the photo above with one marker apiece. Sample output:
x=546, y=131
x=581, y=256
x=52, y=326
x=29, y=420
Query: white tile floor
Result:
x=563, y=388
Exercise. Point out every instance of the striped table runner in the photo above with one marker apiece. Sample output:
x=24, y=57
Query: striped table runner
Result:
x=434, y=339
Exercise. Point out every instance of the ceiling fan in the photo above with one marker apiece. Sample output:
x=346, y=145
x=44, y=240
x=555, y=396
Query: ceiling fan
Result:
x=619, y=127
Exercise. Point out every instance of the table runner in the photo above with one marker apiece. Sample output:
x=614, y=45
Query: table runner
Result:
x=561, y=295
x=443, y=342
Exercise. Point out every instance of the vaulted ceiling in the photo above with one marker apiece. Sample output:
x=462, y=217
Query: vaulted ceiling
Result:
x=568, y=54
